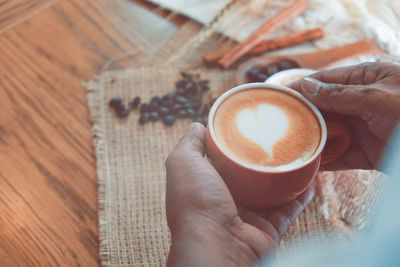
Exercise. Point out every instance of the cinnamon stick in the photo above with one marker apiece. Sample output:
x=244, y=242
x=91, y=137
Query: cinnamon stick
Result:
x=259, y=35
x=287, y=40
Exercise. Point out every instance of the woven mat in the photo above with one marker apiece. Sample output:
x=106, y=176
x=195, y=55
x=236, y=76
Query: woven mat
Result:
x=130, y=167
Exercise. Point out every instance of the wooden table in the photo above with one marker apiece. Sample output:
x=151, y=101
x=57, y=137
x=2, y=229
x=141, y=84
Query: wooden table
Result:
x=48, y=183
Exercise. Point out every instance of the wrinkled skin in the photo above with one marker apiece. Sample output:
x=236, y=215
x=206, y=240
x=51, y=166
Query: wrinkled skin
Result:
x=368, y=98
x=209, y=229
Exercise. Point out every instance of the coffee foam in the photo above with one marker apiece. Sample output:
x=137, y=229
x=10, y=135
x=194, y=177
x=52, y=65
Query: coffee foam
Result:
x=262, y=127
x=266, y=125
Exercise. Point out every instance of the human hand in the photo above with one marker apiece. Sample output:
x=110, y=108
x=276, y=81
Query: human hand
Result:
x=207, y=227
x=367, y=96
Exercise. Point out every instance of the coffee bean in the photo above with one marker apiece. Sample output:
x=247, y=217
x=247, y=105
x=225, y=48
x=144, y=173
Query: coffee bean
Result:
x=144, y=118
x=144, y=108
x=204, y=82
x=186, y=76
x=204, y=88
x=187, y=104
x=261, y=77
x=119, y=108
x=284, y=65
x=196, y=105
x=287, y=64
x=193, y=91
x=191, y=113
x=182, y=113
x=181, y=92
x=135, y=102
x=154, y=116
x=176, y=107
x=169, y=120
x=252, y=74
x=116, y=101
x=168, y=103
x=156, y=99
x=123, y=113
x=168, y=97
x=271, y=69
x=181, y=99
x=153, y=105
x=163, y=111
x=189, y=86
x=181, y=84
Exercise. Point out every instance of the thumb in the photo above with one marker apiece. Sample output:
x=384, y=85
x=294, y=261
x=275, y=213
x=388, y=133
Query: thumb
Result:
x=188, y=152
x=331, y=97
x=193, y=140
x=191, y=144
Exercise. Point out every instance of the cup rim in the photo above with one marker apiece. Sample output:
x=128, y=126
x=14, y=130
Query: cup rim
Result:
x=285, y=73
x=276, y=87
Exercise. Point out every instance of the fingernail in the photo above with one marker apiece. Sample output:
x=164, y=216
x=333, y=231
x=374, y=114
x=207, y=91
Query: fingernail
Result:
x=311, y=86
x=195, y=127
x=192, y=126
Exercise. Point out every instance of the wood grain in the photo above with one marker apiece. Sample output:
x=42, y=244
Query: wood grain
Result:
x=6, y=260
x=48, y=185
x=17, y=11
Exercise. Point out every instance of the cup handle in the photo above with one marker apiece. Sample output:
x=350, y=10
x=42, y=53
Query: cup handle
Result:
x=337, y=143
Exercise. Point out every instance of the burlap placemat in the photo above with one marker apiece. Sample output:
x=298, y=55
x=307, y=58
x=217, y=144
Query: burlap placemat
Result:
x=130, y=161
x=130, y=167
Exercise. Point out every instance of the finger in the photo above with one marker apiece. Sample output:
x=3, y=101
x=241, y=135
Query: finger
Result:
x=296, y=85
x=338, y=98
x=258, y=233
x=282, y=217
x=356, y=158
x=372, y=146
x=187, y=159
x=334, y=166
x=191, y=146
x=192, y=182
x=361, y=74
x=193, y=141
x=254, y=219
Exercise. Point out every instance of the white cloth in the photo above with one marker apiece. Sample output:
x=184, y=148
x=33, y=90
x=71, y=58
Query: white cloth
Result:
x=344, y=21
x=202, y=11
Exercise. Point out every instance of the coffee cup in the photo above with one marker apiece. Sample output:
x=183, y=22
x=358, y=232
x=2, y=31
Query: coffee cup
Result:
x=266, y=141
x=286, y=77
x=339, y=136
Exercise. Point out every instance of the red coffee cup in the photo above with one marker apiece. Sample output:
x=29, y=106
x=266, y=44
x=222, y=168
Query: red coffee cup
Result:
x=257, y=188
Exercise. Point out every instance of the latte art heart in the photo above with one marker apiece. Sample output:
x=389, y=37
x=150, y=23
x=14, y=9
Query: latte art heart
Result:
x=264, y=126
